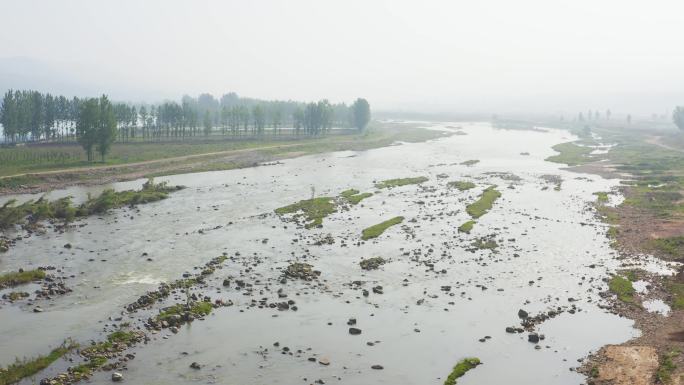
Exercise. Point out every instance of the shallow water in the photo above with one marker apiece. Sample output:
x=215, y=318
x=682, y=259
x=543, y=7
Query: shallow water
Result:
x=553, y=233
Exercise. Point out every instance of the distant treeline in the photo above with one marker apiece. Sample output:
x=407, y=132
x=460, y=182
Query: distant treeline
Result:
x=28, y=115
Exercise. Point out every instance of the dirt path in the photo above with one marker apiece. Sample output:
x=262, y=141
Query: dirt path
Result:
x=656, y=141
x=148, y=162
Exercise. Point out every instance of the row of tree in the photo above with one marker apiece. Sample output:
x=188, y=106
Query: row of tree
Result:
x=33, y=116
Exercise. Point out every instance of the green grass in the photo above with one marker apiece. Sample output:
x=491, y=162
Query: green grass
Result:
x=16, y=278
x=673, y=246
x=86, y=369
x=121, y=336
x=377, y=230
x=666, y=367
x=631, y=275
x=571, y=154
x=354, y=196
x=484, y=204
x=29, y=367
x=622, y=287
x=461, y=185
x=390, y=183
x=461, y=368
x=466, y=227
x=677, y=291
x=196, y=308
x=601, y=197
x=311, y=210
x=12, y=214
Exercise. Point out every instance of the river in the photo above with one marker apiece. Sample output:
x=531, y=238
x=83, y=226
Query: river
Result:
x=552, y=253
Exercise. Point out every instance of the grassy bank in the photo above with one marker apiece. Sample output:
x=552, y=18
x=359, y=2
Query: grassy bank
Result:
x=176, y=158
x=63, y=209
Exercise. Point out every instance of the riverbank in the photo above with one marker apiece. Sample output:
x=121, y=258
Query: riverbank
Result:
x=154, y=160
x=649, y=222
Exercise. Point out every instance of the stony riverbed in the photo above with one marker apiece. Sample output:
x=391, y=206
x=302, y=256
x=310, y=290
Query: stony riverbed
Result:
x=438, y=298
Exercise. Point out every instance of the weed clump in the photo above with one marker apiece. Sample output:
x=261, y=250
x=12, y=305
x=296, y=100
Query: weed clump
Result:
x=485, y=243
x=622, y=287
x=20, y=277
x=372, y=263
x=461, y=368
x=301, y=271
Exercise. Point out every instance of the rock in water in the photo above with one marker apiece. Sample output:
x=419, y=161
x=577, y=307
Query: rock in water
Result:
x=195, y=365
x=522, y=314
x=354, y=331
x=117, y=377
x=533, y=337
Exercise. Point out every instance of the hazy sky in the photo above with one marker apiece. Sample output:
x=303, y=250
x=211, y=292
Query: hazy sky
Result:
x=446, y=55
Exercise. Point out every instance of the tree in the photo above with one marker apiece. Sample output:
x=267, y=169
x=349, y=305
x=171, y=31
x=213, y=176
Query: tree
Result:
x=259, y=117
x=96, y=126
x=207, y=123
x=86, y=126
x=360, y=113
x=678, y=117
x=106, y=127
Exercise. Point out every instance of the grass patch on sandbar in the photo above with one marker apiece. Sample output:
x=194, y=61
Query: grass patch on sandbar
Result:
x=461, y=185
x=390, y=183
x=353, y=196
x=481, y=206
x=16, y=278
x=466, y=227
x=312, y=211
x=377, y=230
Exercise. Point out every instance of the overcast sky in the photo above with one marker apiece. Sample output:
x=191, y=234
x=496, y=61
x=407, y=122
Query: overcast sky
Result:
x=441, y=55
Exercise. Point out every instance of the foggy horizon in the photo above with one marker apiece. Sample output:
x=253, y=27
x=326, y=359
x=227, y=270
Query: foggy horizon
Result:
x=527, y=57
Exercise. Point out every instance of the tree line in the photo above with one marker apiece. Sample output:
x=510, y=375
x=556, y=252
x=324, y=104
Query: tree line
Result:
x=27, y=115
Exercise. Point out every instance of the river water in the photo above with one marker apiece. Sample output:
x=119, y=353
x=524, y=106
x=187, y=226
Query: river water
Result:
x=548, y=239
